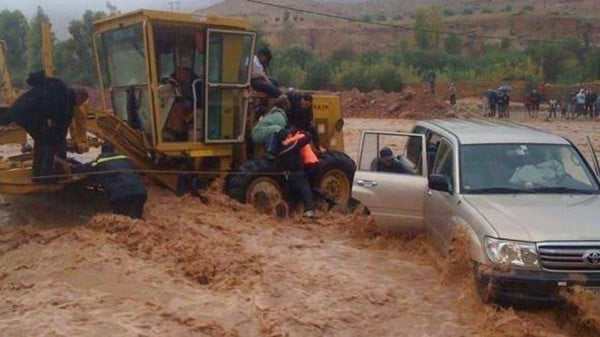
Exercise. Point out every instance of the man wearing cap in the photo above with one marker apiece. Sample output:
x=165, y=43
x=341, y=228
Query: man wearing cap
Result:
x=386, y=162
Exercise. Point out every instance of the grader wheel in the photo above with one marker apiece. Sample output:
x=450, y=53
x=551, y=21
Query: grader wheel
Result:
x=336, y=172
x=258, y=182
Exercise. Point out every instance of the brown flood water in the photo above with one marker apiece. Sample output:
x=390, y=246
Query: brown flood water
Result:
x=221, y=269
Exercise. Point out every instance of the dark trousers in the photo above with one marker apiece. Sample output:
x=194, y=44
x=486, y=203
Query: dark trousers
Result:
x=492, y=110
x=132, y=206
x=271, y=89
x=46, y=146
x=453, y=99
x=579, y=109
x=299, y=186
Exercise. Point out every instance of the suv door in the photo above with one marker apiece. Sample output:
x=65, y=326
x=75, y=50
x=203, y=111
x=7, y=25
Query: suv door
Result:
x=393, y=191
x=439, y=205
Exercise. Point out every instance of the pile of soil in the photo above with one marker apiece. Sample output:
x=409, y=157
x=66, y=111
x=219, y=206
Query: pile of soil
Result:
x=410, y=103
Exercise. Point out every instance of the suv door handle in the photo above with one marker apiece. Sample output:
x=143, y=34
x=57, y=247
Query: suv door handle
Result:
x=366, y=183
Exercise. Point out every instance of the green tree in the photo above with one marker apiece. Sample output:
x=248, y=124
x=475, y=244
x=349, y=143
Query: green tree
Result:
x=453, y=44
x=112, y=9
x=584, y=29
x=449, y=12
x=82, y=35
x=551, y=58
x=318, y=76
x=344, y=53
x=13, y=30
x=34, y=40
x=428, y=24
x=505, y=43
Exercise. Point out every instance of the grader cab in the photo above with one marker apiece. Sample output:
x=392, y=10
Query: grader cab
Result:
x=177, y=101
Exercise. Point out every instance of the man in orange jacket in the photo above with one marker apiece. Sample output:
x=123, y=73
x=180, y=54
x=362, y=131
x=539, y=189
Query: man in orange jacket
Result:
x=292, y=157
x=310, y=162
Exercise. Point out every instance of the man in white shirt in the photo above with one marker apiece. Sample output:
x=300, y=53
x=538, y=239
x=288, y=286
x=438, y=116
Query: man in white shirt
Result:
x=579, y=102
x=260, y=81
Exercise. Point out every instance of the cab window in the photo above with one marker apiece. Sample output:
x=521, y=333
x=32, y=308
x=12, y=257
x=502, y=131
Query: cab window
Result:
x=228, y=60
x=122, y=57
x=180, y=55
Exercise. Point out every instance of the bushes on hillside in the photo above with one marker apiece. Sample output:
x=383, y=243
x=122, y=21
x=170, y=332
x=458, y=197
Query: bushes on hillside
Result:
x=344, y=69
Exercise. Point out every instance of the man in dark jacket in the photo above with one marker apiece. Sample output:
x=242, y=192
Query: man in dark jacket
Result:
x=302, y=114
x=291, y=160
x=123, y=186
x=45, y=112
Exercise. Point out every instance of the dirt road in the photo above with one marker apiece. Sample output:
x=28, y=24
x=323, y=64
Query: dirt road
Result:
x=221, y=269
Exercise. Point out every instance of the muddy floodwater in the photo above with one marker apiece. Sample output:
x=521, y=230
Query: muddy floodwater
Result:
x=219, y=268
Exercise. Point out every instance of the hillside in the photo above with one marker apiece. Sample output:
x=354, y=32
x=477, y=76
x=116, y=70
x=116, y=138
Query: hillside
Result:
x=406, y=8
x=519, y=19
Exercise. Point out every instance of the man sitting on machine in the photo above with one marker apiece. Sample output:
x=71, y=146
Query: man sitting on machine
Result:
x=181, y=114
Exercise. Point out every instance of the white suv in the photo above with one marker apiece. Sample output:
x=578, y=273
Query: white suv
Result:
x=529, y=199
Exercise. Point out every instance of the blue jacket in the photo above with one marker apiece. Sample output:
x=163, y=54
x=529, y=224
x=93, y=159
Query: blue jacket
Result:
x=120, y=180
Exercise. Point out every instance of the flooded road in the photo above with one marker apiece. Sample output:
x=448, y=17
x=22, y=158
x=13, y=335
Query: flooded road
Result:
x=222, y=269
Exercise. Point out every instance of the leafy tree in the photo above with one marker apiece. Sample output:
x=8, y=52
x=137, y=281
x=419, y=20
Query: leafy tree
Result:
x=584, y=29
x=453, y=44
x=551, y=57
x=13, y=30
x=82, y=35
x=449, y=12
x=508, y=9
x=318, y=76
x=381, y=17
x=367, y=18
x=505, y=43
x=344, y=53
x=428, y=24
x=34, y=40
x=468, y=11
x=487, y=11
x=112, y=9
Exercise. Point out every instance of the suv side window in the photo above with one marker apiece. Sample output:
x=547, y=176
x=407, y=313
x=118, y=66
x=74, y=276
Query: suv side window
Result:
x=386, y=152
x=444, y=161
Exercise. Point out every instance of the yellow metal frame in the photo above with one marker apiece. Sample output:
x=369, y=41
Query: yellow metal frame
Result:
x=126, y=19
x=47, y=50
x=5, y=81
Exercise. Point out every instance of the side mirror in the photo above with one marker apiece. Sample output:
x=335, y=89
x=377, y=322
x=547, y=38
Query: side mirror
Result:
x=440, y=183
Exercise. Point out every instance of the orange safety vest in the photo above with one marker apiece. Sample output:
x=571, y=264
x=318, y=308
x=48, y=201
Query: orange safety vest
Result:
x=306, y=152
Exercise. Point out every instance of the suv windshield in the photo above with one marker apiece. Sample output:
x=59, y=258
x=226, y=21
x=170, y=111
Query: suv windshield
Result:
x=524, y=168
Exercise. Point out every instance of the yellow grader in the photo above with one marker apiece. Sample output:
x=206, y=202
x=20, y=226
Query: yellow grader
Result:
x=8, y=134
x=135, y=53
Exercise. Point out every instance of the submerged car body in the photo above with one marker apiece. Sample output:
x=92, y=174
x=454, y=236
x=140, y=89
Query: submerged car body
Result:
x=528, y=199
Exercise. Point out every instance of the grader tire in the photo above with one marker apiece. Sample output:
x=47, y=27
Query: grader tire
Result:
x=254, y=184
x=335, y=176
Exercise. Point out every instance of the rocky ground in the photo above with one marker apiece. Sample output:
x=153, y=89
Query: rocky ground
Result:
x=219, y=268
